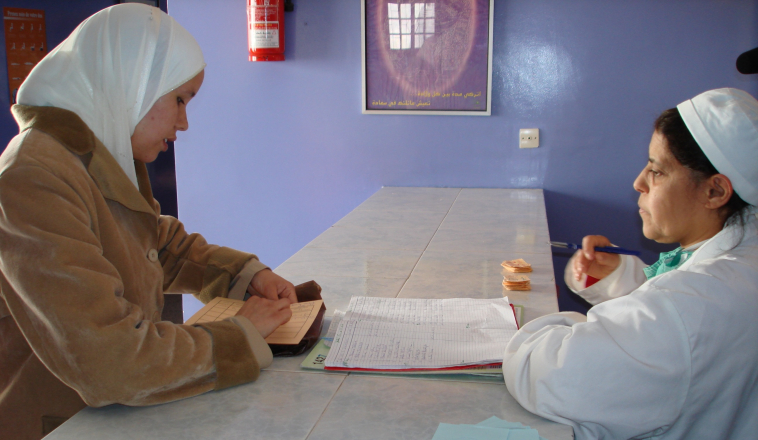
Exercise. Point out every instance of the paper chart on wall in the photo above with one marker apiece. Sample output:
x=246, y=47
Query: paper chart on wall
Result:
x=398, y=333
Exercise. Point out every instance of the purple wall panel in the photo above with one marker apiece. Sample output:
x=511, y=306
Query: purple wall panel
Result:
x=278, y=152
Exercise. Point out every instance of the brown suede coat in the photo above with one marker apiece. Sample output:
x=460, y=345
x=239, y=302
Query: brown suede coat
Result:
x=81, y=285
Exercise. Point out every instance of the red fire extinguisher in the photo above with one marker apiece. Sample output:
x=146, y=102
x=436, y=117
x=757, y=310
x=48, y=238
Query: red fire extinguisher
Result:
x=265, y=30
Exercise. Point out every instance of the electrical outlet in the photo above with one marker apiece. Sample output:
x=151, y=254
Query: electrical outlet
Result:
x=529, y=138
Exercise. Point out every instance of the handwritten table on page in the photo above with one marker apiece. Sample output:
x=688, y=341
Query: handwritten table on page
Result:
x=217, y=309
x=303, y=315
x=399, y=333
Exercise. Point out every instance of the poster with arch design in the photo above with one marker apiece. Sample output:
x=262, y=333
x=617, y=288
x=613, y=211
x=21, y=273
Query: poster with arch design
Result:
x=427, y=57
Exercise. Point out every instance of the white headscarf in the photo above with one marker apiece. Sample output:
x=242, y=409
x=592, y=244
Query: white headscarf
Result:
x=724, y=123
x=112, y=69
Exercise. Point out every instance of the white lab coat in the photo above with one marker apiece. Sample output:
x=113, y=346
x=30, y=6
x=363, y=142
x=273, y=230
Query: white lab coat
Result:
x=671, y=358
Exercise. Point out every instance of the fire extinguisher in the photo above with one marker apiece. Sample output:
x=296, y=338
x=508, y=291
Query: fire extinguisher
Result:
x=265, y=30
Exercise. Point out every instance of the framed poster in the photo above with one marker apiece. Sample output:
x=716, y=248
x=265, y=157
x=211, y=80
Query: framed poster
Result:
x=427, y=57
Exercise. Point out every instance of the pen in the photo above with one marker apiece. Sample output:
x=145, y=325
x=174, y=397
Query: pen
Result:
x=608, y=249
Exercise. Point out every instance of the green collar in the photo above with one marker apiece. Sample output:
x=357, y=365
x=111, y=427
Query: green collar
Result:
x=667, y=262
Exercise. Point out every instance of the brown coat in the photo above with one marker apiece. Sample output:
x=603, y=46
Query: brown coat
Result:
x=85, y=259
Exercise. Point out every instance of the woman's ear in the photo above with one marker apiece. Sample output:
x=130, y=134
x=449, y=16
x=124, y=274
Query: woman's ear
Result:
x=719, y=190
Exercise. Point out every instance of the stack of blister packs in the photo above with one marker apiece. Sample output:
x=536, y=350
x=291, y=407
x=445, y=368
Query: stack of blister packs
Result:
x=512, y=281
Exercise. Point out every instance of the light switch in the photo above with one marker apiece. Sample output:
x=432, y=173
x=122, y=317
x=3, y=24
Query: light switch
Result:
x=529, y=138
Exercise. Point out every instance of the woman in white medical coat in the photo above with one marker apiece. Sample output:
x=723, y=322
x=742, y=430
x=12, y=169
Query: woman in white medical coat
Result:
x=671, y=350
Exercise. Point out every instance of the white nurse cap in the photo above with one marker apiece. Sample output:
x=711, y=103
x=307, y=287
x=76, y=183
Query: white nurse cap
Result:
x=724, y=122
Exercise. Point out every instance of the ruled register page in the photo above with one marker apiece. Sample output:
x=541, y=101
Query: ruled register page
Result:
x=409, y=334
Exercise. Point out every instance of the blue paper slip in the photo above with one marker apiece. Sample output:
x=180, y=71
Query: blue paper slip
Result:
x=494, y=422
x=490, y=429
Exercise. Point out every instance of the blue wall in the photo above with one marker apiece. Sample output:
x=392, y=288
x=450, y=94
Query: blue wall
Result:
x=278, y=152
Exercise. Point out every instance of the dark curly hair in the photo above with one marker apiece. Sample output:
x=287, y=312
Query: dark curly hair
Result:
x=687, y=151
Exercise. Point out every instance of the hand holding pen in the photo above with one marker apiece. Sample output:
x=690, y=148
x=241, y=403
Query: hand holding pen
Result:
x=596, y=257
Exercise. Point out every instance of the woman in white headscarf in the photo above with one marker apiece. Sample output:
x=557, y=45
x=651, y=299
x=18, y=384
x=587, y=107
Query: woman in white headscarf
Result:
x=670, y=351
x=85, y=256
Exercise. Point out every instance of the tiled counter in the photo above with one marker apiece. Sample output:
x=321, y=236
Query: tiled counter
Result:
x=432, y=243
x=401, y=242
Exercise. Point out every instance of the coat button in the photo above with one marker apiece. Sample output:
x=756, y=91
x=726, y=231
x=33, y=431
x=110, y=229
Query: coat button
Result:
x=152, y=255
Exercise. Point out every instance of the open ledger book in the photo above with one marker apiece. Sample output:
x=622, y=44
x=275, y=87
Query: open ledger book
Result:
x=381, y=334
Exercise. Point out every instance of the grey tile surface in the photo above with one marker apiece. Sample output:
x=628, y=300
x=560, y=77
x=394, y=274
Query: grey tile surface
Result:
x=373, y=237
x=401, y=242
x=279, y=406
x=485, y=220
x=411, y=199
x=406, y=220
x=499, y=195
x=361, y=263
x=502, y=204
x=515, y=239
x=368, y=407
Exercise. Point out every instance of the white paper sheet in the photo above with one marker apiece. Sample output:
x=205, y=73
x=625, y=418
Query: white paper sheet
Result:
x=398, y=333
